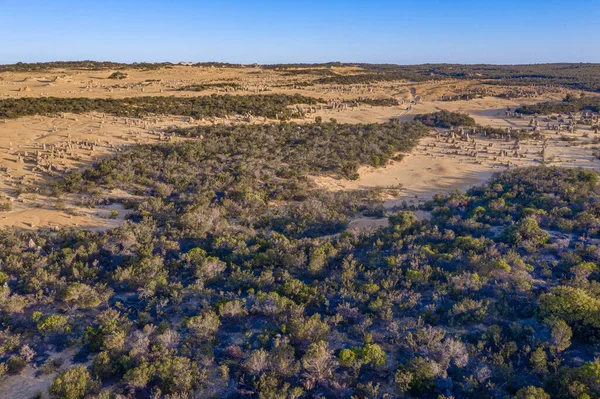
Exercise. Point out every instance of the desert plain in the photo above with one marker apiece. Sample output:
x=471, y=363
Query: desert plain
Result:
x=437, y=164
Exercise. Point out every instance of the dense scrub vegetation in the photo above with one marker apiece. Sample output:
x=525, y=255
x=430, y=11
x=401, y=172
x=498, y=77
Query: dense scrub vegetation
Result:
x=118, y=75
x=233, y=276
x=270, y=106
x=496, y=296
x=210, y=86
x=569, y=104
x=240, y=170
x=378, y=102
x=445, y=119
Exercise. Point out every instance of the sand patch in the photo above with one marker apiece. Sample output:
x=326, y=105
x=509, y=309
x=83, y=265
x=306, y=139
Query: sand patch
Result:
x=440, y=164
x=30, y=381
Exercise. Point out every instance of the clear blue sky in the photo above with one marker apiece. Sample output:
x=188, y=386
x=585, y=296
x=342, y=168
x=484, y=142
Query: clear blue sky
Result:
x=405, y=32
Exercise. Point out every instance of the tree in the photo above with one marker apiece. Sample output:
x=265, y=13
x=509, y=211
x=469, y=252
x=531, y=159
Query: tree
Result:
x=74, y=383
x=573, y=305
x=403, y=379
x=373, y=355
x=539, y=360
x=527, y=234
x=204, y=326
x=268, y=386
x=402, y=221
x=176, y=374
x=347, y=357
x=532, y=393
x=423, y=374
x=318, y=362
x=257, y=362
x=53, y=324
x=561, y=336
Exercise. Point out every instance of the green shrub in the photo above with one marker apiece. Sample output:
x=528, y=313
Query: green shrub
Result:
x=74, y=383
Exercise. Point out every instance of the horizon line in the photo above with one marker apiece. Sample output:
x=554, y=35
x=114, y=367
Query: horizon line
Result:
x=327, y=63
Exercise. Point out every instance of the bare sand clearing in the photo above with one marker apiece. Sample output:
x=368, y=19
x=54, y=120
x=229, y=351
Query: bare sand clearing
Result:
x=31, y=381
x=35, y=150
x=441, y=164
x=420, y=175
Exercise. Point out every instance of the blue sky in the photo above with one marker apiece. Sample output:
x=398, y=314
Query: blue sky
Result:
x=404, y=32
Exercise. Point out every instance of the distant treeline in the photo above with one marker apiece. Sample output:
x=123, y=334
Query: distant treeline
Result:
x=269, y=106
x=304, y=69
x=101, y=65
x=366, y=78
x=86, y=65
x=569, y=104
x=306, y=66
x=573, y=76
x=313, y=71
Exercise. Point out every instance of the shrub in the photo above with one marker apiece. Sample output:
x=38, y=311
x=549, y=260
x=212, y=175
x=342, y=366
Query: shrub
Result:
x=53, y=324
x=574, y=306
x=373, y=355
x=532, y=393
x=15, y=364
x=204, y=326
x=527, y=234
x=445, y=119
x=74, y=383
x=118, y=75
x=318, y=361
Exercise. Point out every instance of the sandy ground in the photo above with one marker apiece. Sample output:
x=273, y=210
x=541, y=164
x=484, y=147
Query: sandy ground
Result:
x=250, y=80
x=35, y=150
x=441, y=164
x=31, y=381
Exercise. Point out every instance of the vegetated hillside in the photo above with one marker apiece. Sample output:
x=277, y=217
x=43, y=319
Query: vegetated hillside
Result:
x=237, y=171
x=496, y=296
x=271, y=105
x=569, y=104
x=378, y=102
